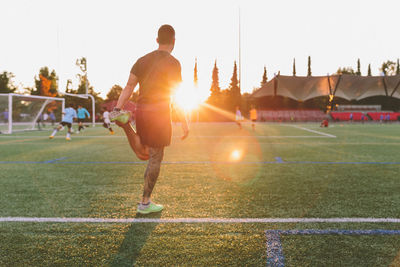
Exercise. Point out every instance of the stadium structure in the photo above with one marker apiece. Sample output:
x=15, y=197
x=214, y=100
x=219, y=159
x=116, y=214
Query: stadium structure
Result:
x=364, y=95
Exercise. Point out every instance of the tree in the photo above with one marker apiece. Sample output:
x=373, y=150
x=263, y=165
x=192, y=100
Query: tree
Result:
x=234, y=90
x=388, y=68
x=398, y=67
x=345, y=70
x=309, y=66
x=264, y=77
x=45, y=83
x=114, y=93
x=369, y=70
x=215, y=89
x=358, y=68
x=195, y=78
x=294, y=66
x=6, y=83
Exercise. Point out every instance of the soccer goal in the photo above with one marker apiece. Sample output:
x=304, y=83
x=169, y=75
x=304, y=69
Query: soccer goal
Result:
x=28, y=112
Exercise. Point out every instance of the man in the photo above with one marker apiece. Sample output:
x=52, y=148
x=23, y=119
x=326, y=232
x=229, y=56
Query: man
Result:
x=238, y=117
x=82, y=114
x=107, y=122
x=157, y=73
x=52, y=117
x=253, y=117
x=69, y=116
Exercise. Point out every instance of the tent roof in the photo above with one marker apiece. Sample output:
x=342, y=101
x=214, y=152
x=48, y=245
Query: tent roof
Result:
x=350, y=87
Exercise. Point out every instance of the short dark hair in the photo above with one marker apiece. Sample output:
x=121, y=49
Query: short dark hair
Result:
x=166, y=34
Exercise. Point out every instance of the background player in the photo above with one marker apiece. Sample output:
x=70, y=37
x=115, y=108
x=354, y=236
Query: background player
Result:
x=253, y=117
x=238, y=117
x=82, y=114
x=69, y=116
x=106, y=120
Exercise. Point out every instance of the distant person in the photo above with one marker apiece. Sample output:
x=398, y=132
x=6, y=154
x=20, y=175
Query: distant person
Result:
x=387, y=117
x=82, y=114
x=52, y=117
x=253, y=118
x=5, y=115
x=324, y=123
x=106, y=120
x=381, y=118
x=362, y=117
x=158, y=74
x=351, y=117
x=238, y=117
x=69, y=116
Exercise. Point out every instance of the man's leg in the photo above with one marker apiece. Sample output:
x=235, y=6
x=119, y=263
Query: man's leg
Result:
x=68, y=136
x=80, y=126
x=55, y=131
x=152, y=171
x=150, y=179
x=140, y=150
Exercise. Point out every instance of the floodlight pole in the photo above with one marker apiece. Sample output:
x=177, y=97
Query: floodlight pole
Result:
x=82, y=63
x=10, y=113
x=240, y=58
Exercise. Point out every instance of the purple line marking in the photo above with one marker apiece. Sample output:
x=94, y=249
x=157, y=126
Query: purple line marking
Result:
x=278, y=160
x=275, y=256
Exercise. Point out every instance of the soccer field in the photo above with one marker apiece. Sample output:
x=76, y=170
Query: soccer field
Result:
x=282, y=195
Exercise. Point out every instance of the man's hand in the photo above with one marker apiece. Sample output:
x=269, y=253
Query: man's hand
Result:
x=185, y=129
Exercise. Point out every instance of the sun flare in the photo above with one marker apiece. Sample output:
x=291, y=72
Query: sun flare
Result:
x=188, y=98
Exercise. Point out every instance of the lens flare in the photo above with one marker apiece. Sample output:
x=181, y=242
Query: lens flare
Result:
x=236, y=155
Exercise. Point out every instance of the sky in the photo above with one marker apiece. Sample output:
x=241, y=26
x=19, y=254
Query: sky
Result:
x=113, y=34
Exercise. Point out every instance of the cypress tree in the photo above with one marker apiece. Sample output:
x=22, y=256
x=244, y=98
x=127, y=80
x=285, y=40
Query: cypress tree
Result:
x=369, y=70
x=215, y=96
x=294, y=66
x=358, y=68
x=264, y=77
x=234, y=89
x=398, y=67
x=309, y=66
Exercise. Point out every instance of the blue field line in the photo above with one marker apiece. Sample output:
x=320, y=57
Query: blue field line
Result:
x=55, y=160
x=275, y=256
x=279, y=160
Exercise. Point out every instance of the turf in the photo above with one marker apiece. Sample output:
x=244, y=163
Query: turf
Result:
x=284, y=172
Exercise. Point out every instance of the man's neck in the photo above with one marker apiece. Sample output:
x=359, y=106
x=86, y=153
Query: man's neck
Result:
x=166, y=48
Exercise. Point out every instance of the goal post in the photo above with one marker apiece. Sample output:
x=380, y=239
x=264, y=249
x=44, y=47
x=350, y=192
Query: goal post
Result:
x=29, y=112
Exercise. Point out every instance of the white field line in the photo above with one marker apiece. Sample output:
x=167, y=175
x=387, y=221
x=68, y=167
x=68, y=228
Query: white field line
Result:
x=197, y=220
x=192, y=137
x=312, y=131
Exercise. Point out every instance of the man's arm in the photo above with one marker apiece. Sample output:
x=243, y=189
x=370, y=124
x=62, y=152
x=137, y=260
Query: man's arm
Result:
x=87, y=113
x=127, y=92
x=182, y=117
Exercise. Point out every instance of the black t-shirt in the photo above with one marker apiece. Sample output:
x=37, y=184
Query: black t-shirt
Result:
x=158, y=73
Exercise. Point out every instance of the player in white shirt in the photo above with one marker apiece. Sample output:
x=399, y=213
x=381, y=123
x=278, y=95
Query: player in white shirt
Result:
x=107, y=122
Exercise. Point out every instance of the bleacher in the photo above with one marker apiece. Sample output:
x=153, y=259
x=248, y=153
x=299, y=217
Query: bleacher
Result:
x=382, y=116
x=358, y=116
x=345, y=116
x=290, y=115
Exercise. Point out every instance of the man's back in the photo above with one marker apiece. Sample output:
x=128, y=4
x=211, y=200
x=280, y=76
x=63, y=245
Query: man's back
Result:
x=158, y=73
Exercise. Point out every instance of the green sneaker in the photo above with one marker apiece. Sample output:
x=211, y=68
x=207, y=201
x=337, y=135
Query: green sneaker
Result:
x=149, y=208
x=121, y=116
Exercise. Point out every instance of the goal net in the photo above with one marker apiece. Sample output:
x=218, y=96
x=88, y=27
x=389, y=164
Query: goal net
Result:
x=26, y=112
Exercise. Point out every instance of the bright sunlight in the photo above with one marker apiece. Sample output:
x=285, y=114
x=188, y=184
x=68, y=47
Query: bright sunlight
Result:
x=188, y=97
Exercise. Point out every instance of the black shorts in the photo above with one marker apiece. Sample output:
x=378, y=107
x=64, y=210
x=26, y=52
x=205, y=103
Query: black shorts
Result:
x=81, y=120
x=68, y=124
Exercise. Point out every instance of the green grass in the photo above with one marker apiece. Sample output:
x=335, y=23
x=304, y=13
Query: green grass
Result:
x=201, y=190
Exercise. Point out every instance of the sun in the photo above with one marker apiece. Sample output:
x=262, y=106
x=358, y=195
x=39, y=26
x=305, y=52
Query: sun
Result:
x=188, y=98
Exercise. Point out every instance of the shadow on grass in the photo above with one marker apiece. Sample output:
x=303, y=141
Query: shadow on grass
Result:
x=135, y=238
